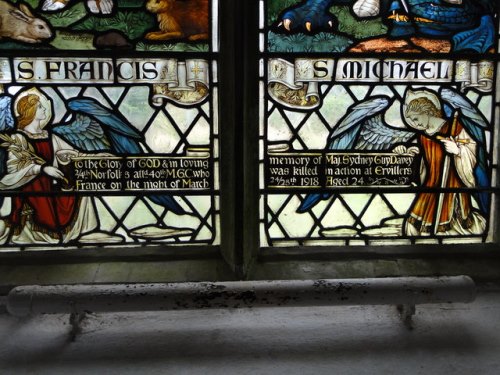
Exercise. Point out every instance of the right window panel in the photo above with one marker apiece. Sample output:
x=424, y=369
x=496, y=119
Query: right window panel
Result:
x=378, y=121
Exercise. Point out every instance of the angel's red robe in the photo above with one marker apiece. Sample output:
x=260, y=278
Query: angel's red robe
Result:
x=50, y=214
x=456, y=206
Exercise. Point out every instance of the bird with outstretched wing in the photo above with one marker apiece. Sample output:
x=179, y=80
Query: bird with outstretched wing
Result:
x=95, y=128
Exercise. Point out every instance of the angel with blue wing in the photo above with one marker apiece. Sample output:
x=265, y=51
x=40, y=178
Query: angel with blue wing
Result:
x=35, y=157
x=31, y=169
x=454, y=156
x=453, y=132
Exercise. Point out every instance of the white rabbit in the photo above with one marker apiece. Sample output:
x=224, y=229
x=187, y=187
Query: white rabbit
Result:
x=20, y=24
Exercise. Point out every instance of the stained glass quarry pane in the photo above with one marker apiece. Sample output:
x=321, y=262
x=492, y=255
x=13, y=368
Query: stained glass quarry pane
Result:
x=395, y=146
x=98, y=150
x=124, y=25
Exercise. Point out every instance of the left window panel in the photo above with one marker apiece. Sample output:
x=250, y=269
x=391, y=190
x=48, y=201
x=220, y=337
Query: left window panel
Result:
x=108, y=123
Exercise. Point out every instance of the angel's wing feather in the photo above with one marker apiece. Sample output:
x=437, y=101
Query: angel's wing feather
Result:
x=363, y=128
x=96, y=128
x=104, y=115
x=466, y=107
x=6, y=124
x=84, y=133
x=6, y=116
x=345, y=133
x=376, y=134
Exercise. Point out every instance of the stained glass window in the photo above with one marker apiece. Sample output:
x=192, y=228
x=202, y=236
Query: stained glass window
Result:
x=108, y=123
x=379, y=121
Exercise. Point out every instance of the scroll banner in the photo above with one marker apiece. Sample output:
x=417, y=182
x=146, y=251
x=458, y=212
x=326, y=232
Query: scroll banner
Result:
x=183, y=82
x=187, y=83
x=151, y=173
x=5, y=73
x=477, y=76
x=394, y=70
x=296, y=85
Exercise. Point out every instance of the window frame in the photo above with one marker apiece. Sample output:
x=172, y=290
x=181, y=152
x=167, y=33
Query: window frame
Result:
x=239, y=255
x=431, y=253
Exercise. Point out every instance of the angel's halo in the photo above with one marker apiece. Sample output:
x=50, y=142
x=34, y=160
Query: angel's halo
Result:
x=44, y=101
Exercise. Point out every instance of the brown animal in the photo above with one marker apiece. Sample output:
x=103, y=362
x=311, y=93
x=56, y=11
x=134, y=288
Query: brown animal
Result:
x=20, y=24
x=179, y=19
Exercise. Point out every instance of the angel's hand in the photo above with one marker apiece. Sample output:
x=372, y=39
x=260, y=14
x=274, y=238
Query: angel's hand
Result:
x=403, y=150
x=53, y=172
x=451, y=146
x=400, y=150
x=413, y=150
x=104, y=155
x=65, y=156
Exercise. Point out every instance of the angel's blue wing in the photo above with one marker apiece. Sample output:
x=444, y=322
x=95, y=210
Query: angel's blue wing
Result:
x=346, y=133
x=475, y=123
x=6, y=124
x=84, y=133
x=6, y=118
x=123, y=137
x=96, y=129
x=363, y=128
